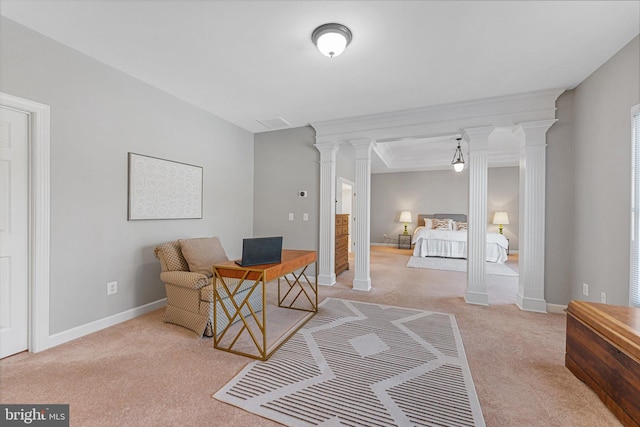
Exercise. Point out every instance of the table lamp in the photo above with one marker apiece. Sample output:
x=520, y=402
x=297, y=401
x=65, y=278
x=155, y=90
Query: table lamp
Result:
x=405, y=216
x=500, y=218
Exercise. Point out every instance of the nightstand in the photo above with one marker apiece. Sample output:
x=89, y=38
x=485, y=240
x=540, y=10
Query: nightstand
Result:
x=404, y=241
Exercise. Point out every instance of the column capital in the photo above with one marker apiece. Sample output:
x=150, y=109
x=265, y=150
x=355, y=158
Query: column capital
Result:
x=327, y=149
x=534, y=133
x=478, y=137
x=363, y=147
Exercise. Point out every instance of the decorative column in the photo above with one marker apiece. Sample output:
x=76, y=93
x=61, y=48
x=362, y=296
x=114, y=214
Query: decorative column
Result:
x=530, y=295
x=478, y=139
x=362, y=216
x=327, y=226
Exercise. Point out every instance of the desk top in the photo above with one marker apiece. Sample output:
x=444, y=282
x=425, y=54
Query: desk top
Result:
x=291, y=261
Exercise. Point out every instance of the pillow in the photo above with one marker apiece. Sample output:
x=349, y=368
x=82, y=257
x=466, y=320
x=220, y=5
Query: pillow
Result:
x=461, y=226
x=428, y=223
x=442, y=224
x=202, y=253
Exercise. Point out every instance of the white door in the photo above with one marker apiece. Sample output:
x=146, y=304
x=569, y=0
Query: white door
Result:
x=14, y=134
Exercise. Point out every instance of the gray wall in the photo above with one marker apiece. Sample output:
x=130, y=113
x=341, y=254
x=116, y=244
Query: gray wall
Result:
x=98, y=115
x=602, y=177
x=286, y=162
x=560, y=214
x=439, y=192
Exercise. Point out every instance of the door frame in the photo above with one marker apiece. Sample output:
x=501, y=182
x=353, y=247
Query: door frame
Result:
x=38, y=223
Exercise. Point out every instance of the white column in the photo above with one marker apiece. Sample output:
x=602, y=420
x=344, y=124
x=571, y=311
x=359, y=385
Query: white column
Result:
x=530, y=295
x=327, y=226
x=478, y=139
x=362, y=214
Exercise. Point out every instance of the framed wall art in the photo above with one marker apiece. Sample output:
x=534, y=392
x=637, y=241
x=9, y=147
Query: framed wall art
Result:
x=163, y=189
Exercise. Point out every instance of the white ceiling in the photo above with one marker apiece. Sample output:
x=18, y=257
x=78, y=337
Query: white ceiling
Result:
x=246, y=61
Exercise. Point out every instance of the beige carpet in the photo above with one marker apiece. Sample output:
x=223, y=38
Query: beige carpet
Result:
x=456, y=264
x=363, y=364
x=144, y=372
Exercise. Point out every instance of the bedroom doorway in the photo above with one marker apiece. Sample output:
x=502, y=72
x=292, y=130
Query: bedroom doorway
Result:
x=345, y=194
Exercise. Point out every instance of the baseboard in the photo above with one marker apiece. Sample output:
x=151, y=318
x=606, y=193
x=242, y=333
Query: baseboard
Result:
x=556, y=308
x=89, y=328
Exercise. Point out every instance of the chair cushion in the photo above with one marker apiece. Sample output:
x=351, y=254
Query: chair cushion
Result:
x=202, y=253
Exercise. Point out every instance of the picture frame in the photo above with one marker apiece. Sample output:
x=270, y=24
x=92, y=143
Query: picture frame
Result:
x=163, y=189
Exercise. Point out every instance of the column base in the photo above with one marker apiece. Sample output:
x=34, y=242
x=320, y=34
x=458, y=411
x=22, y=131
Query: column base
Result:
x=362, y=285
x=531, y=304
x=326, y=279
x=478, y=298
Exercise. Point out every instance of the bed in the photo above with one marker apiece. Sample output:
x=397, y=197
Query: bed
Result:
x=445, y=235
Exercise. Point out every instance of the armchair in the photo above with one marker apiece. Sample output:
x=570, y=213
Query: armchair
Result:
x=186, y=272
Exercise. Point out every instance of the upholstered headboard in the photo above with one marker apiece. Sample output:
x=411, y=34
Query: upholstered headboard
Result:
x=455, y=217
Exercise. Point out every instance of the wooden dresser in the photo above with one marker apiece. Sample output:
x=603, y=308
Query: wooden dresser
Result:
x=342, y=243
x=603, y=350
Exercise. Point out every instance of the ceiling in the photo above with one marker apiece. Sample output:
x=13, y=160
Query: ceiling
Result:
x=247, y=61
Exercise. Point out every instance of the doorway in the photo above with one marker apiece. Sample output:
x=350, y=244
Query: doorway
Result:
x=14, y=247
x=25, y=148
x=345, y=194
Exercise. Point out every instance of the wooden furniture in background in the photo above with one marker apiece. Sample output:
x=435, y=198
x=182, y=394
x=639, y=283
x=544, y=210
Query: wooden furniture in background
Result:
x=342, y=243
x=404, y=241
x=603, y=350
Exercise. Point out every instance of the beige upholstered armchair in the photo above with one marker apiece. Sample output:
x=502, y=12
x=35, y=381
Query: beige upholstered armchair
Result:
x=186, y=270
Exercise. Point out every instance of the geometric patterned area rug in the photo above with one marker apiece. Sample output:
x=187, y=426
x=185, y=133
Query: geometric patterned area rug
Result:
x=457, y=264
x=362, y=364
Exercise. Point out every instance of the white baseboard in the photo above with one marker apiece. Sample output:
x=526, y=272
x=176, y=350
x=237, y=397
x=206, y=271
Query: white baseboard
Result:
x=556, y=308
x=89, y=328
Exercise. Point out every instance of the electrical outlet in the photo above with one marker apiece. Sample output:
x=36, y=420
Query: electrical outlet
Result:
x=112, y=288
x=305, y=216
x=585, y=289
x=603, y=297
x=385, y=235
x=290, y=217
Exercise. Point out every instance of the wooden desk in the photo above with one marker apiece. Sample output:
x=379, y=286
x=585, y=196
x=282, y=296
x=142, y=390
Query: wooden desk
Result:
x=603, y=350
x=295, y=291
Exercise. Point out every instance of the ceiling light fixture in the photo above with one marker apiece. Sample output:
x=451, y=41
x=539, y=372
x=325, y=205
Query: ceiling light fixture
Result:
x=331, y=39
x=458, y=158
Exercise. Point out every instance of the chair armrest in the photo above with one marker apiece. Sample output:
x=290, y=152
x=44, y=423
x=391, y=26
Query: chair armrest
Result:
x=186, y=279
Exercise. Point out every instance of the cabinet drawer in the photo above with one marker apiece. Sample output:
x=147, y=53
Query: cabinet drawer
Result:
x=342, y=241
x=342, y=252
x=342, y=231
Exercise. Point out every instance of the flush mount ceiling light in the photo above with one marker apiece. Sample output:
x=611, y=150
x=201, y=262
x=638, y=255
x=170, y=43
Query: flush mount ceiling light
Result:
x=458, y=158
x=331, y=39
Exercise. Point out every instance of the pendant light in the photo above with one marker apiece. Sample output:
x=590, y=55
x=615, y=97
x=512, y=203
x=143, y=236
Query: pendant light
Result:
x=458, y=158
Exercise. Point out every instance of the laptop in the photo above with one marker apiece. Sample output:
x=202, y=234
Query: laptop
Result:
x=261, y=250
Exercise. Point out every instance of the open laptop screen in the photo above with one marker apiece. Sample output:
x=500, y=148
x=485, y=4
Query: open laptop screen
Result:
x=261, y=250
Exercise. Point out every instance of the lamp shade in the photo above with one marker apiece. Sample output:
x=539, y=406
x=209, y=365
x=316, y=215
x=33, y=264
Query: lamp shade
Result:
x=501, y=218
x=331, y=39
x=405, y=216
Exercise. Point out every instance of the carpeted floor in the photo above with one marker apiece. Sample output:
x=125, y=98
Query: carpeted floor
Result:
x=144, y=372
x=364, y=364
x=454, y=264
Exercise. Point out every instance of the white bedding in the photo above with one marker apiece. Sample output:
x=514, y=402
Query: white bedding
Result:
x=453, y=244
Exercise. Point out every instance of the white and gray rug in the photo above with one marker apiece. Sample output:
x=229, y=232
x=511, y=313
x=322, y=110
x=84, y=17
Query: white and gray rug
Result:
x=456, y=264
x=362, y=364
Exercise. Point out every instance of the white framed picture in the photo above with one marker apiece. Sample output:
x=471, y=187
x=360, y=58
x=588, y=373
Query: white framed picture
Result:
x=163, y=189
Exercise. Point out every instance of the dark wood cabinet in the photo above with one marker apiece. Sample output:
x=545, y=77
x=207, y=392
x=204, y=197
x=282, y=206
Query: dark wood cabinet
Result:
x=342, y=243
